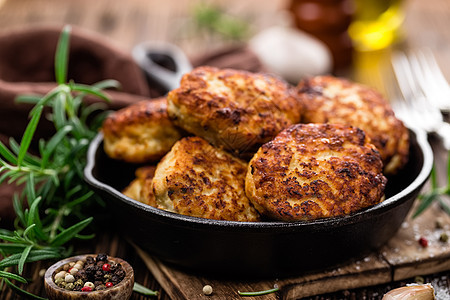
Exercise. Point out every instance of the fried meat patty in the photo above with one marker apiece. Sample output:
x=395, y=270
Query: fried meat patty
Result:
x=141, y=132
x=328, y=99
x=141, y=188
x=233, y=109
x=312, y=171
x=199, y=180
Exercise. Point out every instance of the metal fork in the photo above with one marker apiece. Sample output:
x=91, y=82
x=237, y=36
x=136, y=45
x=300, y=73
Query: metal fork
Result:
x=430, y=77
x=415, y=104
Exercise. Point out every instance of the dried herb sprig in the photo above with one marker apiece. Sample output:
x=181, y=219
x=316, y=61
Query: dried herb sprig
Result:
x=435, y=194
x=52, y=179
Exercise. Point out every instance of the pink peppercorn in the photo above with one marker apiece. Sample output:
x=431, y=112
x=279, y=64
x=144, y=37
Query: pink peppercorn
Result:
x=423, y=242
x=106, y=267
x=86, y=289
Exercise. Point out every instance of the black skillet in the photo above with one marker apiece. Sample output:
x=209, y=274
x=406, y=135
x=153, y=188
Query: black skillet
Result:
x=242, y=249
x=260, y=249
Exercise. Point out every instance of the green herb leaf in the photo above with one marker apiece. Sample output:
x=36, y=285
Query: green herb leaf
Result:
x=89, y=90
x=62, y=55
x=29, y=159
x=54, y=142
x=12, y=248
x=138, y=288
x=23, y=258
x=444, y=206
x=448, y=171
x=107, y=84
x=435, y=193
x=80, y=200
x=72, y=191
x=425, y=202
x=31, y=99
x=214, y=19
x=259, y=293
x=6, y=154
x=44, y=100
x=12, y=239
x=12, y=276
x=5, y=175
x=88, y=110
x=19, y=210
x=27, y=230
x=33, y=215
x=59, y=111
x=30, y=188
x=69, y=233
x=85, y=236
x=28, y=135
x=23, y=292
x=433, y=178
x=34, y=255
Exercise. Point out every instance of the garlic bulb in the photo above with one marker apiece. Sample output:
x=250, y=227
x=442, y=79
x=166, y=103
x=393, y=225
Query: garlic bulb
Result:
x=411, y=292
x=291, y=53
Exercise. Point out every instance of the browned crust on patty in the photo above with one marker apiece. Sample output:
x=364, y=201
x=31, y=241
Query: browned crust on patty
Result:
x=312, y=171
x=197, y=179
x=141, y=132
x=328, y=99
x=233, y=109
x=141, y=188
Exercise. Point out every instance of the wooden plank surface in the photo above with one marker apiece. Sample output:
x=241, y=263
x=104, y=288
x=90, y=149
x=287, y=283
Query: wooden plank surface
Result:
x=130, y=22
x=401, y=258
x=405, y=254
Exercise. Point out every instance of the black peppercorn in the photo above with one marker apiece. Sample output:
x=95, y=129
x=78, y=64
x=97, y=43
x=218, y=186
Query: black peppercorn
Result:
x=101, y=257
x=89, y=260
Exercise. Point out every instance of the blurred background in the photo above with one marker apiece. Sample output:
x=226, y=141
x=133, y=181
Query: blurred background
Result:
x=355, y=34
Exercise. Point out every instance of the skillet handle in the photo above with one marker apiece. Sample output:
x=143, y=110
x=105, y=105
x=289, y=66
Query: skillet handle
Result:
x=163, y=62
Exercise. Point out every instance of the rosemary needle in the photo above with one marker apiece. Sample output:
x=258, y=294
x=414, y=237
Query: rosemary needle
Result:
x=259, y=293
x=139, y=288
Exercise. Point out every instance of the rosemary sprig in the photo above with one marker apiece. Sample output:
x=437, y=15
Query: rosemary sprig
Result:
x=215, y=20
x=259, y=293
x=435, y=194
x=52, y=178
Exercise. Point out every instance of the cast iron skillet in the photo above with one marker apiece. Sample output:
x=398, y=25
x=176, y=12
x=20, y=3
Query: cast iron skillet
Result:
x=260, y=249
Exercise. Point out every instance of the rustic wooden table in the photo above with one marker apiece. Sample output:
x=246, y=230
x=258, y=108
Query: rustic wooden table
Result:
x=134, y=21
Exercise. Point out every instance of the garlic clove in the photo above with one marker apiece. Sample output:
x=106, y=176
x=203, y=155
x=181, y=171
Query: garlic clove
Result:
x=291, y=53
x=411, y=292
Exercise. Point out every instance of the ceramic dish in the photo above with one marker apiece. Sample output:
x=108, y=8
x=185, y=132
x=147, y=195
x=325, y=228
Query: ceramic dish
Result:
x=258, y=249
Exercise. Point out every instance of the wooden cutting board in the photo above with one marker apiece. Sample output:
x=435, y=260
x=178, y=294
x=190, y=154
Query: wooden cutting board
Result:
x=401, y=258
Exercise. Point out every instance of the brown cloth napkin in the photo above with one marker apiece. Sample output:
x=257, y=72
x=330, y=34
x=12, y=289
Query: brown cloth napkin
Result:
x=27, y=67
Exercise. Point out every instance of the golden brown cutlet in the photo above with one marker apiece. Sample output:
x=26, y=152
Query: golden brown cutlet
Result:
x=141, y=132
x=233, y=109
x=328, y=99
x=197, y=179
x=141, y=188
x=312, y=171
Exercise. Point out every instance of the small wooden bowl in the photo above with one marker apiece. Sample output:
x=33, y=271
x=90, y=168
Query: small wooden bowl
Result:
x=121, y=291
